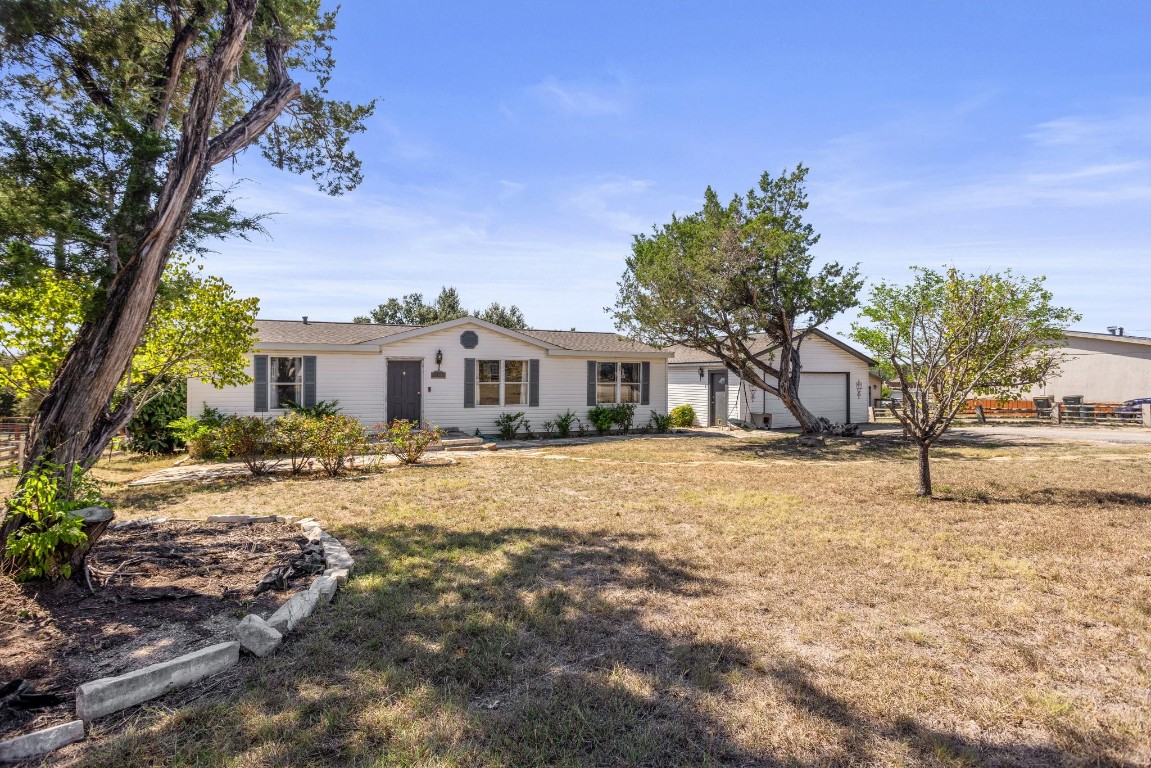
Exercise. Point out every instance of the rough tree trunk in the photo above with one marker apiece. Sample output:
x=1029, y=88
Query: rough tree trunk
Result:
x=75, y=421
x=924, y=469
x=789, y=371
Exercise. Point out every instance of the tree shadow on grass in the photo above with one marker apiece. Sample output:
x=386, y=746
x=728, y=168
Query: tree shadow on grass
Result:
x=884, y=446
x=511, y=647
x=1083, y=498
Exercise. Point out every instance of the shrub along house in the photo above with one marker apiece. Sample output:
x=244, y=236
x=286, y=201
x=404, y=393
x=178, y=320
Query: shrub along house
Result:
x=460, y=374
x=835, y=383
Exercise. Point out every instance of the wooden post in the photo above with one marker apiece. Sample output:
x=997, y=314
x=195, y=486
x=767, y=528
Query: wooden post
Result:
x=1147, y=415
x=1057, y=413
x=871, y=414
x=20, y=452
x=979, y=415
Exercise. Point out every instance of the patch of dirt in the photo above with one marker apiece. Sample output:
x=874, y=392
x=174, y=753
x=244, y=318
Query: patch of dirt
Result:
x=161, y=591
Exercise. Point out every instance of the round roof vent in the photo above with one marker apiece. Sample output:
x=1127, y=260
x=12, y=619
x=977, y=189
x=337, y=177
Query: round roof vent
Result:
x=469, y=339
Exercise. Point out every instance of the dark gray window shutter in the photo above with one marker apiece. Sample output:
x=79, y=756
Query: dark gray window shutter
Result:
x=260, y=374
x=469, y=382
x=533, y=383
x=309, y=381
x=645, y=384
x=591, y=368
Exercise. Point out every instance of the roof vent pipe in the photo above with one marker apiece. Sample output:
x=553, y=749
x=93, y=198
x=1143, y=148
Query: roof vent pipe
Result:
x=306, y=321
x=1120, y=330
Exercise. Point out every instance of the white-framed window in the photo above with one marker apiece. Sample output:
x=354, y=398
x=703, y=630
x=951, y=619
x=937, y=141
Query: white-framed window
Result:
x=618, y=382
x=286, y=380
x=501, y=382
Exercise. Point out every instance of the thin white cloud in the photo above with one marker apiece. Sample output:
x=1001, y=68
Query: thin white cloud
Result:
x=583, y=98
x=607, y=202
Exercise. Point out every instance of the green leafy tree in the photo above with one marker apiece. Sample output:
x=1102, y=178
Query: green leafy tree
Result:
x=198, y=329
x=506, y=317
x=715, y=279
x=948, y=335
x=113, y=114
x=413, y=310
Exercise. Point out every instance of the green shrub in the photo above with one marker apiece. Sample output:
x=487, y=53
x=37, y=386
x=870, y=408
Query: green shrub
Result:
x=335, y=440
x=148, y=430
x=294, y=439
x=407, y=442
x=564, y=422
x=682, y=416
x=40, y=548
x=509, y=424
x=321, y=408
x=602, y=417
x=252, y=440
x=201, y=435
x=659, y=423
x=549, y=429
x=622, y=416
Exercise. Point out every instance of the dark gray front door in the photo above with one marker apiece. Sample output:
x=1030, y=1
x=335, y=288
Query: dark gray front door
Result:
x=403, y=390
x=717, y=385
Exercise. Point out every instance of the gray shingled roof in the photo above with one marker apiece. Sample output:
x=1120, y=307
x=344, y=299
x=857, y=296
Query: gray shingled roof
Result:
x=759, y=344
x=298, y=332
x=589, y=341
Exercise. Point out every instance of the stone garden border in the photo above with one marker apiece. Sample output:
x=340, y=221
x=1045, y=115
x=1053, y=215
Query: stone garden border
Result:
x=260, y=637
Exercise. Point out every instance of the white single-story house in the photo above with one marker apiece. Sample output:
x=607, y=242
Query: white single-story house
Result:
x=835, y=382
x=1101, y=368
x=459, y=374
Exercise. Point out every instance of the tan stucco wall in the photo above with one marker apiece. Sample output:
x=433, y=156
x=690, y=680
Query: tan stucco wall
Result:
x=1102, y=370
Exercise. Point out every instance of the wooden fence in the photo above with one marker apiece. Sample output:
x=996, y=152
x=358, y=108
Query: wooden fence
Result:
x=1044, y=411
x=13, y=437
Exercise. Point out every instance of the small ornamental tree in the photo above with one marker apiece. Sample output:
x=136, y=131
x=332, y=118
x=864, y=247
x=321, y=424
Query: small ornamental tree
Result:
x=948, y=335
x=715, y=279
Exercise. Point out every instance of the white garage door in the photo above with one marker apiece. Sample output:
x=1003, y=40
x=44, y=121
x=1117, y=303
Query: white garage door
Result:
x=825, y=394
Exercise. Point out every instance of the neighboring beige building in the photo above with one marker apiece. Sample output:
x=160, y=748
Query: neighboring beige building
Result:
x=1103, y=368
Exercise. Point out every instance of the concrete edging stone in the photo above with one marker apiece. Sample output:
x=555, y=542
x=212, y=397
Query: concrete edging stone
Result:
x=107, y=695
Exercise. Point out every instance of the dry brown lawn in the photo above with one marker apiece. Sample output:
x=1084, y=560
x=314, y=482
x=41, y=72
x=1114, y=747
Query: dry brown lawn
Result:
x=699, y=602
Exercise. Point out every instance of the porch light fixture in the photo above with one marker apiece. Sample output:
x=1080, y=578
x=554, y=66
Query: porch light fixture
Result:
x=439, y=357
x=701, y=373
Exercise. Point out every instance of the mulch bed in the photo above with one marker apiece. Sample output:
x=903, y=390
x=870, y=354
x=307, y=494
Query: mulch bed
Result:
x=161, y=591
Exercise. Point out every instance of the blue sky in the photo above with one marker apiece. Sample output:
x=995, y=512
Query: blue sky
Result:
x=517, y=147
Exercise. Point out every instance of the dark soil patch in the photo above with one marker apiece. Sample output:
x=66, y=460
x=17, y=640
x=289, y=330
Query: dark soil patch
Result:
x=160, y=591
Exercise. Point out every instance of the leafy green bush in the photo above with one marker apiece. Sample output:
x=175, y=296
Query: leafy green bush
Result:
x=407, y=442
x=602, y=417
x=200, y=435
x=148, y=430
x=564, y=422
x=622, y=416
x=682, y=416
x=294, y=432
x=252, y=440
x=321, y=408
x=335, y=440
x=659, y=423
x=509, y=424
x=549, y=429
x=39, y=549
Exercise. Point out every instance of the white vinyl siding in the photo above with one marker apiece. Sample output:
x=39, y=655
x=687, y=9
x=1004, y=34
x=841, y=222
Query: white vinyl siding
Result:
x=355, y=379
x=824, y=388
x=358, y=381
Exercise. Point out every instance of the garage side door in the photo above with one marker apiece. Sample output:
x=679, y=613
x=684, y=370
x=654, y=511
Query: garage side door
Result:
x=825, y=394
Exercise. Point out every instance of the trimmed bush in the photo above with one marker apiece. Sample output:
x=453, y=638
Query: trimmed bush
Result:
x=622, y=416
x=294, y=439
x=407, y=442
x=509, y=424
x=335, y=439
x=682, y=416
x=564, y=423
x=252, y=440
x=658, y=423
x=602, y=417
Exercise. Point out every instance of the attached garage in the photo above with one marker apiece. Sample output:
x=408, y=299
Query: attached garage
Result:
x=835, y=384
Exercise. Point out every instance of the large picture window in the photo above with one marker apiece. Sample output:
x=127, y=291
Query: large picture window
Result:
x=502, y=382
x=287, y=378
x=618, y=382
